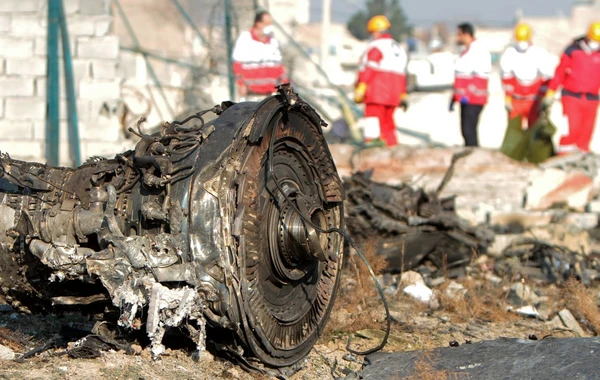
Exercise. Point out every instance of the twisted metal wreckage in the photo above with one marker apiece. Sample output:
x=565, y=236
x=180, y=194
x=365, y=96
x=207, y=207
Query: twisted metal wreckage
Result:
x=223, y=223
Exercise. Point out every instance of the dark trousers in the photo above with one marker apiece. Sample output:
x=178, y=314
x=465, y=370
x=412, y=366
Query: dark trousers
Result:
x=469, y=118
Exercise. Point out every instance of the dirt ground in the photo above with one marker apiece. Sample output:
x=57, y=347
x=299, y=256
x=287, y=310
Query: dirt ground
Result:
x=480, y=314
x=329, y=358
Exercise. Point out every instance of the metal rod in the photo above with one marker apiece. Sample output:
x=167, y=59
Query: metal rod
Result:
x=190, y=22
x=136, y=44
x=72, y=119
x=229, y=44
x=349, y=109
x=160, y=58
x=320, y=70
x=53, y=86
x=154, y=102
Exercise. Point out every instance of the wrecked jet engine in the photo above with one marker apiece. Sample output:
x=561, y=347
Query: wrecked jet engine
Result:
x=220, y=223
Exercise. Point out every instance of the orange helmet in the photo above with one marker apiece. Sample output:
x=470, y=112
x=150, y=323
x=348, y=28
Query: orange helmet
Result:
x=594, y=32
x=378, y=24
x=523, y=33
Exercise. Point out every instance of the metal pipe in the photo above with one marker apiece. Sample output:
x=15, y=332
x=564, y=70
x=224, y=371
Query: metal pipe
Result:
x=72, y=300
x=158, y=57
x=52, y=85
x=349, y=109
x=190, y=22
x=318, y=67
x=72, y=119
x=229, y=44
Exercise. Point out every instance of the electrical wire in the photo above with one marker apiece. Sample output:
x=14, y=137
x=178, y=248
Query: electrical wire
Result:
x=339, y=231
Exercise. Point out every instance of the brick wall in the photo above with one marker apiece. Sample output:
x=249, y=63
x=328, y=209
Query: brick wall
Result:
x=95, y=52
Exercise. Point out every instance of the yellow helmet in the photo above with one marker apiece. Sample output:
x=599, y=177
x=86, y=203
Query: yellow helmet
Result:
x=523, y=33
x=378, y=24
x=594, y=32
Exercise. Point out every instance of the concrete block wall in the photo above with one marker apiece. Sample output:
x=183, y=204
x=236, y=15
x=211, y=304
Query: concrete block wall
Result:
x=96, y=58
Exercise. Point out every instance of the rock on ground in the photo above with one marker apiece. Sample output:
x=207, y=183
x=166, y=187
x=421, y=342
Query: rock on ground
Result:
x=6, y=353
x=521, y=294
x=559, y=187
x=570, y=322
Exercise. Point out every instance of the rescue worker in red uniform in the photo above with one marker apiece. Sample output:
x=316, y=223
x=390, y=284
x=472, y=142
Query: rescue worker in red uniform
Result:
x=381, y=81
x=472, y=72
x=257, y=61
x=526, y=71
x=578, y=73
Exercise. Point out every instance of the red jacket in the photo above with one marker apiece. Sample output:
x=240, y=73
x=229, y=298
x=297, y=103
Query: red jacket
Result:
x=258, y=63
x=578, y=71
x=383, y=70
x=471, y=76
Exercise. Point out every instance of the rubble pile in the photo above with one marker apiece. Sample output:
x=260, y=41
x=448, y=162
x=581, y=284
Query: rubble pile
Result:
x=436, y=237
x=488, y=185
x=547, y=238
x=412, y=226
x=483, y=182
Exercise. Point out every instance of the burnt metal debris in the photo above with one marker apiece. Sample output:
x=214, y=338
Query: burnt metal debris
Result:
x=412, y=226
x=201, y=224
x=547, y=263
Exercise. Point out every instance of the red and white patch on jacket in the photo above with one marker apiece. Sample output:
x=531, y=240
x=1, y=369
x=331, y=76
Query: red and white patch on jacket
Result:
x=472, y=73
x=383, y=70
x=525, y=72
x=258, y=63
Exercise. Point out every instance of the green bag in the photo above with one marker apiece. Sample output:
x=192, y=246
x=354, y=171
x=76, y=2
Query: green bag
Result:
x=539, y=140
x=533, y=144
x=514, y=144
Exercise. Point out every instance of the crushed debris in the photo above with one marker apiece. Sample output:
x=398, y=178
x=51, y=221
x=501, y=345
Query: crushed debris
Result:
x=526, y=311
x=412, y=225
x=92, y=345
x=541, y=261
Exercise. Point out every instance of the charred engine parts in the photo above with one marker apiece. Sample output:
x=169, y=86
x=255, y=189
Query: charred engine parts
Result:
x=198, y=225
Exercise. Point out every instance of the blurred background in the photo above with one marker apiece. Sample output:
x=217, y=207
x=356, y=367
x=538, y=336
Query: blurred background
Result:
x=163, y=59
